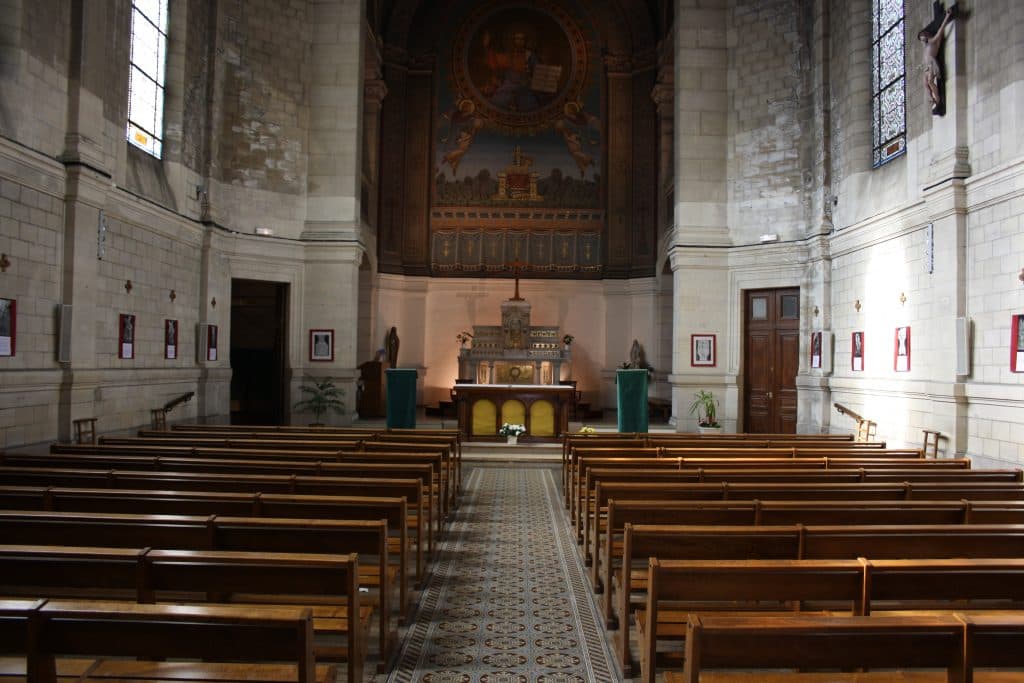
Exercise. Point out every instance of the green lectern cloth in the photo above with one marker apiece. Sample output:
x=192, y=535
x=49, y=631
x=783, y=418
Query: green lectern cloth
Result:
x=401, y=398
x=631, y=387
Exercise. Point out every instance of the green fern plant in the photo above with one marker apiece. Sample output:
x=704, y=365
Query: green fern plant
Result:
x=706, y=408
x=321, y=396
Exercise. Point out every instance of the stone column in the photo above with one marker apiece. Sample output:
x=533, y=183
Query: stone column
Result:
x=336, y=108
x=701, y=123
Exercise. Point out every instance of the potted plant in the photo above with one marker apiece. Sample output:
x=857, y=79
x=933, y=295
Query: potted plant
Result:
x=512, y=432
x=321, y=396
x=706, y=408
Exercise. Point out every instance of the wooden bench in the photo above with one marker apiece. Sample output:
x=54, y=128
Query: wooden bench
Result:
x=793, y=542
x=769, y=512
x=823, y=642
x=186, y=532
x=858, y=587
x=218, y=643
x=292, y=506
x=301, y=476
x=325, y=583
x=862, y=491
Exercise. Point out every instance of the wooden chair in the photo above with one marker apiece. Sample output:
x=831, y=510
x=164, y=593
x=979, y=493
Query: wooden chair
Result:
x=85, y=429
x=931, y=442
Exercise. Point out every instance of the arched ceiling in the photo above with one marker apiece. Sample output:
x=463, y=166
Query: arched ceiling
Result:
x=625, y=27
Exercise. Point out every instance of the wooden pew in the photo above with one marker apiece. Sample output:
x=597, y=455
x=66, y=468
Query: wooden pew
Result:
x=677, y=588
x=859, y=587
x=772, y=512
x=302, y=477
x=292, y=506
x=219, y=643
x=834, y=643
x=597, y=492
x=794, y=542
x=187, y=532
x=328, y=584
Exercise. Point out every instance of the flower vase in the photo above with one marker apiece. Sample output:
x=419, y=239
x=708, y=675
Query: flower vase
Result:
x=513, y=439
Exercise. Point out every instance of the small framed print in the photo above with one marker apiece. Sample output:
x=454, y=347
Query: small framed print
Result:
x=857, y=351
x=1016, y=343
x=901, y=362
x=816, y=350
x=702, y=350
x=211, y=342
x=8, y=326
x=170, y=339
x=321, y=345
x=126, y=336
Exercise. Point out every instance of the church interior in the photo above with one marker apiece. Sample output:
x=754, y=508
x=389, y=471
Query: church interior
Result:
x=430, y=227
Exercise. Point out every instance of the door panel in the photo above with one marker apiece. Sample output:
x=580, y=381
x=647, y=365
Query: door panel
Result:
x=771, y=359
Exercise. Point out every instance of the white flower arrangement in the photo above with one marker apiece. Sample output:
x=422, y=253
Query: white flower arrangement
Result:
x=508, y=429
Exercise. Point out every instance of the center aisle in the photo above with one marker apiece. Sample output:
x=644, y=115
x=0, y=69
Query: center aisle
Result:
x=508, y=601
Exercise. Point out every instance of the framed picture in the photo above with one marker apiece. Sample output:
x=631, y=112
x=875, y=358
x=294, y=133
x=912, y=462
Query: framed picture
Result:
x=857, y=351
x=126, y=336
x=1016, y=343
x=702, y=350
x=816, y=350
x=321, y=345
x=170, y=339
x=8, y=326
x=211, y=342
x=901, y=362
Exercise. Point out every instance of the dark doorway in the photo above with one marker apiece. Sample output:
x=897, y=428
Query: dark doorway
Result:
x=259, y=315
x=771, y=358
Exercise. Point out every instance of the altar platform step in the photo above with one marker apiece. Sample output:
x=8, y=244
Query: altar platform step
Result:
x=503, y=452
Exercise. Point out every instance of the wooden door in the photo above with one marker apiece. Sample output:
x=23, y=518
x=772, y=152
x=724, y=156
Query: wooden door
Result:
x=771, y=357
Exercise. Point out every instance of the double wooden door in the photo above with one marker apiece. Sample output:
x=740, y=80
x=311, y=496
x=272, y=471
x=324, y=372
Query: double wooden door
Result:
x=771, y=358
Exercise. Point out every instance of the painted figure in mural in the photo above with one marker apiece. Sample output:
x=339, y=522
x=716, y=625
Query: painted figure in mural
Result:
x=932, y=40
x=511, y=73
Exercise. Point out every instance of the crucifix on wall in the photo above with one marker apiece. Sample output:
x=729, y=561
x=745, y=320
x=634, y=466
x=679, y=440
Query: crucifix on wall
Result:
x=932, y=36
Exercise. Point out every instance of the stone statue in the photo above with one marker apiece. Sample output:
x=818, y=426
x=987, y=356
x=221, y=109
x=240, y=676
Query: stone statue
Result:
x=392, y=346
x=931, y=36
x=636, y=355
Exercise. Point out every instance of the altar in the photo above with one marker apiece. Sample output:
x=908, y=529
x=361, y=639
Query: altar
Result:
x=512, y=373
x=483, y=408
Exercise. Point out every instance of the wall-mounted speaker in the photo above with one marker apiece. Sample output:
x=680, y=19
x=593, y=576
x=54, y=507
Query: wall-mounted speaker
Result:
x=963, y=346
x=63, y=333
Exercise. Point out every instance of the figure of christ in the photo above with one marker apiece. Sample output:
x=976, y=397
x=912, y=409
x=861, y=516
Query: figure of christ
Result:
x=932, y=70
x=511, y=72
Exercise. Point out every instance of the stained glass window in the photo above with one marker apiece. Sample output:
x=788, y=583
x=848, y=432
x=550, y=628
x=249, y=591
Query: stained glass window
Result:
x=888, y=81
x=146, y=80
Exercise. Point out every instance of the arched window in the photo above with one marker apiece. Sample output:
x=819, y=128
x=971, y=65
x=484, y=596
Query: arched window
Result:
x=148, y=73
x=888, y=81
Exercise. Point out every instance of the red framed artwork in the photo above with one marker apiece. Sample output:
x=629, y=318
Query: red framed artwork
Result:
x=8, y=326
x=126, y=336
x=321, y=345
x=901, y=350
x=816, y=350
x=170, y=339
x=1017, y=343
x=702, y=350
x=857, y=351
x=211, y=342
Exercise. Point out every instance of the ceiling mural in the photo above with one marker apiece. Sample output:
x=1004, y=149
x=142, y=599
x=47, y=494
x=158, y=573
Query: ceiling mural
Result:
x=518, y=127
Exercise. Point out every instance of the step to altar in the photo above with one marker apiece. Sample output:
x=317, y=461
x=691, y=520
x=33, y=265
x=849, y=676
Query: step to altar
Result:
x=493, y=450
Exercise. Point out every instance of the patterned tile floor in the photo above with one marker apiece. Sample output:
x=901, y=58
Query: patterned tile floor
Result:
x=508, y=601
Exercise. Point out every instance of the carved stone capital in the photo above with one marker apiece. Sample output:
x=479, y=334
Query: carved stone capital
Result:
x=663, y=95
x=374, y=91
